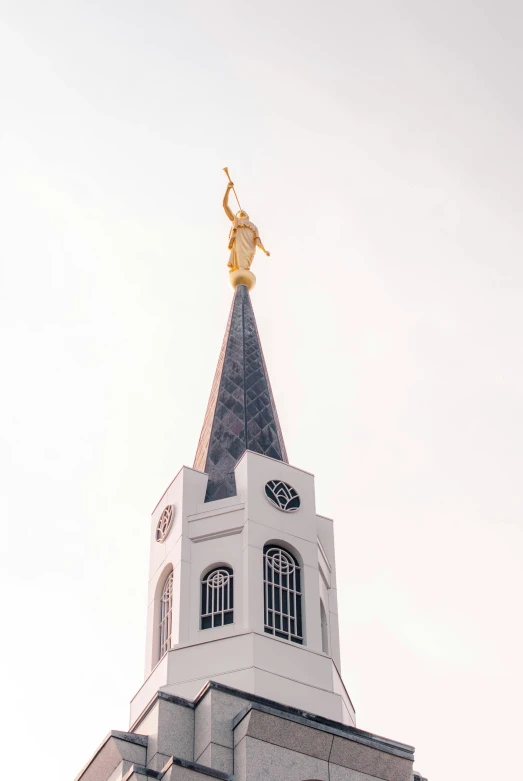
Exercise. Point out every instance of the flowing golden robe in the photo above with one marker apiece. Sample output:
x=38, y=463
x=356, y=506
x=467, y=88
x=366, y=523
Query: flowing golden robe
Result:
x=242, y=243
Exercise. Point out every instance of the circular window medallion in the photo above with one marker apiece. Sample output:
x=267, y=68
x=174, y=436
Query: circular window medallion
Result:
x=283, y=495
x=163, y=526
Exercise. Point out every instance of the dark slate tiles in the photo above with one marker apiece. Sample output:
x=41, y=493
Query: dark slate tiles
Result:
x=241, y=414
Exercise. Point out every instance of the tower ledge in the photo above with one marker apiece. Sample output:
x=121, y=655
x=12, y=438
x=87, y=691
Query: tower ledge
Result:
x=225, y=733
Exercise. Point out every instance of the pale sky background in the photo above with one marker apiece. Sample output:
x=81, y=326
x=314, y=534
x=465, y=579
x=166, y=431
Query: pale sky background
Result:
x=378, y=147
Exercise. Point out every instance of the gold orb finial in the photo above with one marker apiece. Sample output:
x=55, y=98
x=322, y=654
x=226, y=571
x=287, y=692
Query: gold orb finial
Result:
x=242, y=276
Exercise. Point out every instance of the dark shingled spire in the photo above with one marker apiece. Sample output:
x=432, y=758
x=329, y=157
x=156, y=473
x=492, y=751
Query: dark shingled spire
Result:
x=241, y=414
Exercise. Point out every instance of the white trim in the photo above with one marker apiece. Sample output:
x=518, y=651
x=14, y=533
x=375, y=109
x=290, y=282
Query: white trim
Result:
x=216, y=535
x=269, y=458
x=174, y=480
x=322, y=551
x=218, y=511
x=323, y=576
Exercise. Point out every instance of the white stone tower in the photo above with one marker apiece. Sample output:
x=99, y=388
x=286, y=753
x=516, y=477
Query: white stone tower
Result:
x=220, y=519
x=242, y=673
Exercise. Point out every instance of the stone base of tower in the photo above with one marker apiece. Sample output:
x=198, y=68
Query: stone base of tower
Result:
x=232, y=735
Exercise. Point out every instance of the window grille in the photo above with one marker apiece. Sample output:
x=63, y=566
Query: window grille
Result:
x=166, y=615
x=324, y=629
x=282, y=598
x=163, y=526
x=217, y=598
x=283, y=495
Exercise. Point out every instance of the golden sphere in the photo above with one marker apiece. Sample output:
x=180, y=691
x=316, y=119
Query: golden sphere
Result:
x=242, y=276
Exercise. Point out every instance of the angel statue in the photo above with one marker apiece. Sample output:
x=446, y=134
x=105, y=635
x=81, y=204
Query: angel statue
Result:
x=243, y=238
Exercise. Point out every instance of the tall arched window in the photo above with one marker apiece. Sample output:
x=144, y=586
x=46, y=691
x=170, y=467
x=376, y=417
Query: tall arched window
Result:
x=324, y=629
x=217, y=598
x=166, y=615
x=282, y=597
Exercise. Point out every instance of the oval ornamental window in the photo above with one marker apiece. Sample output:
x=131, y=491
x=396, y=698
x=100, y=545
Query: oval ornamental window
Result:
x=283, y=495
x=163, y=527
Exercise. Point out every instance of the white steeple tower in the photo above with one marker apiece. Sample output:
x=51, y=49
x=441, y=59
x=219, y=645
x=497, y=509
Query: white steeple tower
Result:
x=242, y=580
x=242, y=675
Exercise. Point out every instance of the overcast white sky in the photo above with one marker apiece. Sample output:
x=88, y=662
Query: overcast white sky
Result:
x=378, y=147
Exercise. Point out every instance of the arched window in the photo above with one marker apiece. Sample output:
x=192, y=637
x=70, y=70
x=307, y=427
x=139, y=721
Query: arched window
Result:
x=324, y=629
x=166, y=615
x=282, y=597
x=217, y=598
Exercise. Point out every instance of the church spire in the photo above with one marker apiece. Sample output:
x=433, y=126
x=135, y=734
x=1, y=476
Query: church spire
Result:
x=241, y=413
x=242, y=612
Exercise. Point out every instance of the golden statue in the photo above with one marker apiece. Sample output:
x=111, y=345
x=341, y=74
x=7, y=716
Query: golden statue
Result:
x=243, y=240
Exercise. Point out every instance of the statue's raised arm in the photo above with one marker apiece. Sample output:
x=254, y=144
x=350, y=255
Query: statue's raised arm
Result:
x=226, y=206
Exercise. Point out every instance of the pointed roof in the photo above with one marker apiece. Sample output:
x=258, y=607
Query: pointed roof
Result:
x=241, y=413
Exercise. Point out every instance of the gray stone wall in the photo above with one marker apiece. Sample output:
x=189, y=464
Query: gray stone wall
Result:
x=296, y=749
x=234, y=736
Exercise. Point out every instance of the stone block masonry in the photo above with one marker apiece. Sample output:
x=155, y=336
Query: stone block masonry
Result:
x=231, y=735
